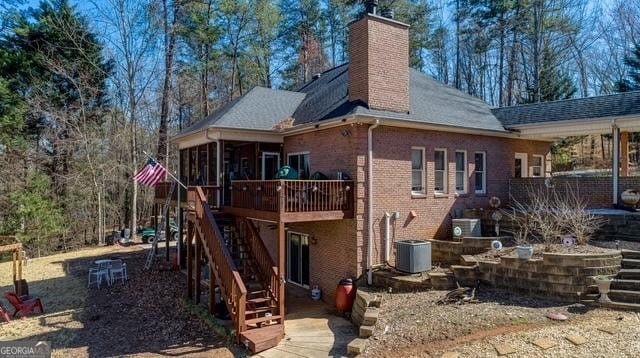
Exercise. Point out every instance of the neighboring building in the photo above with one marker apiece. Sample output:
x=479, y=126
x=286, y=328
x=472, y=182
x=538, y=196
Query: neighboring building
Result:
x=390, y=138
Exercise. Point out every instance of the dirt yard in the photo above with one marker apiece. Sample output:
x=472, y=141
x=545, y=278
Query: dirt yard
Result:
x=146, y=316
x=414, y=325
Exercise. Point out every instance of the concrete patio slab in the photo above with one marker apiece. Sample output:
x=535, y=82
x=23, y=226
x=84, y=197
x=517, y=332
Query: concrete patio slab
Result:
x=312, y=329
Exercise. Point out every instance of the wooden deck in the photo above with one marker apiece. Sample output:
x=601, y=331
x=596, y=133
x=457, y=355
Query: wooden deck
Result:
x=275, y=200
x=292, y=200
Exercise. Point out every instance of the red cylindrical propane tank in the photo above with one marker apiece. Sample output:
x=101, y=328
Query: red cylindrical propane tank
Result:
x=345, y=294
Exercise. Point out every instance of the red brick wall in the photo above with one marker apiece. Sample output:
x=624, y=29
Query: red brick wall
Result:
x=379, y=67
x=333, y=149
x=392, y=180
x=339, y=250
x=332, y=249
x=596, y=192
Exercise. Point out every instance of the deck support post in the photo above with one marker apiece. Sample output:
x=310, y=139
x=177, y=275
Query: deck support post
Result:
x=189, y=260
x=198, y=268
x=180, y=243
x=212, y=290
x=624, y=154
x=281, y=266
x=167, y=231
x=616, y=163
x=155, y=221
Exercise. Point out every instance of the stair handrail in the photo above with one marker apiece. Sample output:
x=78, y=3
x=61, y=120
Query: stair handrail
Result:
x=267, y=268
x=229, y=280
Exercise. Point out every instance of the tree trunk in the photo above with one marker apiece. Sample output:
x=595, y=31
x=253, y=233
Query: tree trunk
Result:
x=170, y=42
x=457, y=74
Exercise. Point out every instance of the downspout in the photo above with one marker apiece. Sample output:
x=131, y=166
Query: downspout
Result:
x=370, y=201
x=387, y=236
x=615, y=170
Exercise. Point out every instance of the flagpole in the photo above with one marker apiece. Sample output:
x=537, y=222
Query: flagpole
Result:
x=168, y=172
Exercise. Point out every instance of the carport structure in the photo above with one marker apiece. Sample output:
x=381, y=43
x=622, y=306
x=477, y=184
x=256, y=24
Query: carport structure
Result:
x=616, y=114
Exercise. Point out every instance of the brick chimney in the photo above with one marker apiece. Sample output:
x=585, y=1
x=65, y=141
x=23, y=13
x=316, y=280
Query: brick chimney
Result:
x=379, y=67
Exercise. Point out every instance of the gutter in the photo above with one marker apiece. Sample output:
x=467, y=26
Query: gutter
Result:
x=370, y=201
x=396, y=122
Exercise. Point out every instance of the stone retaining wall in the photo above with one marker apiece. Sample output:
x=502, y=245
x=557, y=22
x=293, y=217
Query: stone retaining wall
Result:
x=364, y=314
x=621, y=226
x=555, y=276
x=445, y=252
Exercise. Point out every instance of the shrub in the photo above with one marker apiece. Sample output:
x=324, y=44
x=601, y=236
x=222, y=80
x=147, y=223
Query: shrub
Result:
x=547, y=217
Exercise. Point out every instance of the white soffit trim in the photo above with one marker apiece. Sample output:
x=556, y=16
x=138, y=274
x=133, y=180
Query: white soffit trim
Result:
x=401, y=123
x=561, y=129
x=213, y=134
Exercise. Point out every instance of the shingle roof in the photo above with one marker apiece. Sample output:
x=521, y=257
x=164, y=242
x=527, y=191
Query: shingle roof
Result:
x=614, y=105
x=327, y=96
x=431, y=102
x=260, y=108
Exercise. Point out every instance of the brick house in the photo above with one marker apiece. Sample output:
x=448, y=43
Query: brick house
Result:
x=388, y=138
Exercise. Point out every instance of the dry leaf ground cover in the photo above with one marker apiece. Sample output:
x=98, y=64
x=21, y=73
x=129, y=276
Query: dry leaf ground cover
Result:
x=413, y=324
x=146, y=316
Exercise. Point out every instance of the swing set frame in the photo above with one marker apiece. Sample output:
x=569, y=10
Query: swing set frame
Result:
x=11, y=244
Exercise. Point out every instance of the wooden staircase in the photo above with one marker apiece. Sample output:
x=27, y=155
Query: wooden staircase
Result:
x=245, y=274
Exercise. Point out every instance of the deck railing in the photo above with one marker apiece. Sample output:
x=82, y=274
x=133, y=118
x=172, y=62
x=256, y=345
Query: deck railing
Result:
x=229, y=279
x=212, y=193
x=292, y=196
x=265, y=263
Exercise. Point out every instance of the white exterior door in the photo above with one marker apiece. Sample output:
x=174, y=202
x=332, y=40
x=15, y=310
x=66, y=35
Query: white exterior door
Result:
x=521, y=166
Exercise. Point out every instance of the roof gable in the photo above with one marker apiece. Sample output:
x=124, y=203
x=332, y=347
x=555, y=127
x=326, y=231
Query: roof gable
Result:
x=259, y=109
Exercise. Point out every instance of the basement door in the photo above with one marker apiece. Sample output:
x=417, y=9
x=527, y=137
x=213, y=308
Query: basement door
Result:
x=298, y=258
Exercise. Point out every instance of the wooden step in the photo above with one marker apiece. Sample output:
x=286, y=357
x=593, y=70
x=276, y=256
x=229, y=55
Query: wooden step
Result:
x=630, y=285
x=629, y=274
x=258, y=300
x=263, y=338
x=630, y=254
x=258, y=320
x=259, y=293
x=623, y=306
x=256, y=311
x=625, y=296
x=630, y=263
x=253, y=285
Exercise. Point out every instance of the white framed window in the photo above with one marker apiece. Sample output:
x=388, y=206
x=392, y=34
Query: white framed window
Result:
x=537, y=166
x=440, y=170
x=461, y=171
x=417, y=170
x=481, y=172
x=300, y=162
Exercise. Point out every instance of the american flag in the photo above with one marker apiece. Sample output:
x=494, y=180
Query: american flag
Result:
x=152, y=174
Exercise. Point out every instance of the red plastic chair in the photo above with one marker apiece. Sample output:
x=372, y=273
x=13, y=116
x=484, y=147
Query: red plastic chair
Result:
x=23, y=307
x=4, y=314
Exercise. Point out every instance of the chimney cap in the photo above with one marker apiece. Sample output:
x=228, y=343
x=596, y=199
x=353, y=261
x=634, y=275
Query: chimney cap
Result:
x=370, y=6
x=388, y=13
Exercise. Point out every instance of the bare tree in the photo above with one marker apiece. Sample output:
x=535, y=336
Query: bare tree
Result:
x=131, y=36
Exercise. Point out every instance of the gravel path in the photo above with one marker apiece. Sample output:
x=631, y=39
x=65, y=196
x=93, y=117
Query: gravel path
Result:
x=413, y=324
x=623, y=343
